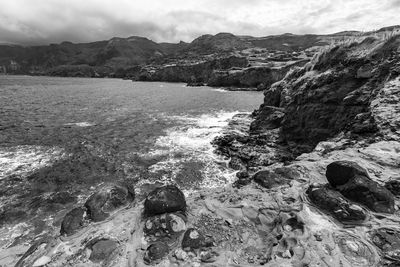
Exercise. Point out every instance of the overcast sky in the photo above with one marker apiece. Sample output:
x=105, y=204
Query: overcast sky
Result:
x=53, y=21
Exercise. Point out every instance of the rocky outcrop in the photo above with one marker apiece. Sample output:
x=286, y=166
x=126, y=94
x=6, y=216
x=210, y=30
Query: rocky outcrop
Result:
x=335, y=93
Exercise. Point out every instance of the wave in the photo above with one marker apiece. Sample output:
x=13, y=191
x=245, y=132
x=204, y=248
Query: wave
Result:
x=22, y=160
x=188, y=146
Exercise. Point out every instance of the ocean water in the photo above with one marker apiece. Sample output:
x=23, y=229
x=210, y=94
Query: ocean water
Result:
x=61, y=138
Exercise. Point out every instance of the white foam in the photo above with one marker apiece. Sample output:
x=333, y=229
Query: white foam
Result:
x=22, y=160
x=80, y=124
x=192, y=142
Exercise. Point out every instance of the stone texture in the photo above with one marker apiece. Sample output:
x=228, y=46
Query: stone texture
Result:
x=165, y=199
x=73, y=221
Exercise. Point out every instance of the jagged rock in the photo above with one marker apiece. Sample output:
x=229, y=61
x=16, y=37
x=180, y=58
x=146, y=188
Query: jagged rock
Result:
x=269, y=118
x=269, y=179
x=236, y=163
x=165, y=199
x=102, y=250
x=365, y=191
x=243, y=179
x=335, y=204
x=340, y=172
x=73, y=221
x=394, y=187
x=193, y=239
x=156, y=252
x=108, y=199
x=165, y=224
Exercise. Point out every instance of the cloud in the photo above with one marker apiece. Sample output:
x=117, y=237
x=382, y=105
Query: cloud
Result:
x=53, y=21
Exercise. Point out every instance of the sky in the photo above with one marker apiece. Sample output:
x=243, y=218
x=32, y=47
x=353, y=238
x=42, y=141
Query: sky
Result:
x=33, y=22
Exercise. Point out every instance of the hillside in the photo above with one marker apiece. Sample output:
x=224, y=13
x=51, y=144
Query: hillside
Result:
x=117, y=55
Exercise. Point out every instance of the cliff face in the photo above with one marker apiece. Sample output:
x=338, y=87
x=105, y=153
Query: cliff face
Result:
x=337, y=92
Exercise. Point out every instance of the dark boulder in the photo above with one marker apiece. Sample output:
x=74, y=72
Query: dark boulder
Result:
x=269, y=179
x=165, y=199
x=165, y=224
x=108, y=199
x=193, y=239
x=363, y=190
x=335, y=204
x=340, y=172
x=102, y=250
x=73, y=221
x=155, y=252
x=353, y=182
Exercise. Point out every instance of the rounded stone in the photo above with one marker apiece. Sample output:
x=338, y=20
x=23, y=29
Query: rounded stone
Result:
x=340, y=172
x=156, y=252
x=102, y=250
x=193, y=239
x=108, y=199
x=165, y=199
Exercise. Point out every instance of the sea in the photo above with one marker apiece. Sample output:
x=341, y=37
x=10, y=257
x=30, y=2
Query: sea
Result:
x=62, y=138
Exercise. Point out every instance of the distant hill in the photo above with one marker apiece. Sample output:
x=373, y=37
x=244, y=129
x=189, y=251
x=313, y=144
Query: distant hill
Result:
x=106, y=57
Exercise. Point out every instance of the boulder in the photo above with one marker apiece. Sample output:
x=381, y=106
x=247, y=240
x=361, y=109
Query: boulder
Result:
x=73, y=221
x=102, y=250
x=336, y=205
x=354, y=183
x=108, y=199
x=340, y=172
x=165, y=224
x=155, y=252
x=165, y=199
x=269, y=179
x=193, y=239
x=363, y=190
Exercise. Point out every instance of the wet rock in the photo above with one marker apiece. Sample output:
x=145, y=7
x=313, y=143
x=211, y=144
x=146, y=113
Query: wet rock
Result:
x=108, y=199
x=388, y=240
x=102, y=250
x=393, y=186
x=335, y=204
x=269, y=179
x=165, y=224
x=243, y=179
x=193, y=239
x=365, y=191
x=236, y=163
x=340, y=172
x=165, y=199
x=268, y=118
x=155, y=252
x=73, y=221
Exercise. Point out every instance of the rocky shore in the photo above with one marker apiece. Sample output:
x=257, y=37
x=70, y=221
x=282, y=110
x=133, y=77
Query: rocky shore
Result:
x=317, y=183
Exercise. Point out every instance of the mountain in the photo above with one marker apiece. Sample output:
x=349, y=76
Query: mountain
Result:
x=199, y=61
